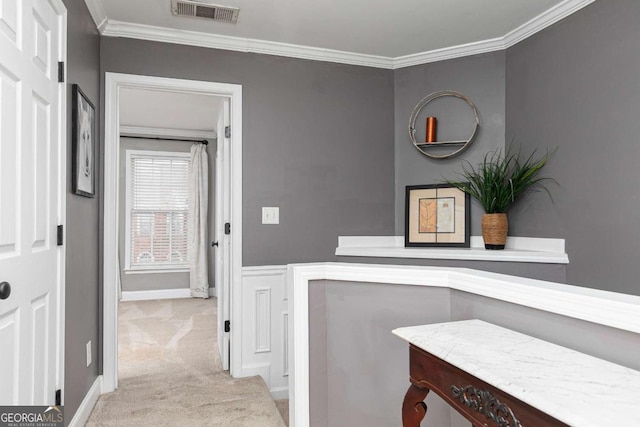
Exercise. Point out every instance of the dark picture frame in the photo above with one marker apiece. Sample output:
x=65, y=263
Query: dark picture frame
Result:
x=437, y=215
x=84, y=135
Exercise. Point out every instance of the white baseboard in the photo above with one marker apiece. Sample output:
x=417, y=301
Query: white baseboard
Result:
x=264, y=370
x=278, y=393
x=160, y=294
x=86, y=407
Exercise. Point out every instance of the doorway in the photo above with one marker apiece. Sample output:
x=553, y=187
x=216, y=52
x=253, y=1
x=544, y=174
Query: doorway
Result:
x=228, y=202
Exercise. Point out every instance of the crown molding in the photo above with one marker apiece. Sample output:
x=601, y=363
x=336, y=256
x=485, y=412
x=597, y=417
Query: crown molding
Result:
x=97, y=12
x=239, y=44
x=112, y=28
x=452, y=52
x=526, y=30
x=544, y=20
x=166, y=132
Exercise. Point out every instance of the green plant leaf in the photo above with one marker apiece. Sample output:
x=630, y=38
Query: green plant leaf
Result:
x=498, y=181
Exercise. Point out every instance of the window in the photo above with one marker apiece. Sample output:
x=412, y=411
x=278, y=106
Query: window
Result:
x=157, y=210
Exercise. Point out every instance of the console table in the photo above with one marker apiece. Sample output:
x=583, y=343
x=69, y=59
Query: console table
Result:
x=497, y=377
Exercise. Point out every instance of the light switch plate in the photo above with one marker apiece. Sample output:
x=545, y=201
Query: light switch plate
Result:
x=88, y=353
x=271, y=215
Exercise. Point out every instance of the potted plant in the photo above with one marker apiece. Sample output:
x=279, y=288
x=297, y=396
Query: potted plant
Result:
x=497, y=183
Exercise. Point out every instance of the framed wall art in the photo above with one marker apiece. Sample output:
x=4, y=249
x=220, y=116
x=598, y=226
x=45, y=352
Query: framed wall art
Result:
x=83, y=128
x=436, y=215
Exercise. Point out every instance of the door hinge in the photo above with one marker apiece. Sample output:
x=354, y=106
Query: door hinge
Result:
x=227, y=132
x=227, y=228
x=58, y=397
x=60, y=235
x=227, y=325
x=60, y=72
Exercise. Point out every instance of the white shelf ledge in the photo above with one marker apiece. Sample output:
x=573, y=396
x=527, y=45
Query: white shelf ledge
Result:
x=518, y=249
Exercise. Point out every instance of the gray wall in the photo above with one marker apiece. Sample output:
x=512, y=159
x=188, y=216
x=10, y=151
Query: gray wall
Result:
x=482, y=79
x=359, y=371
x=317, y=142
x=600, y=341
x=575, y=86
x=318, y=355
x=155, y=281
x=83, y=245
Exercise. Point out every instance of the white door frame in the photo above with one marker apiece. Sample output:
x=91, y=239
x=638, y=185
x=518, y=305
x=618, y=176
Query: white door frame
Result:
x=222, y=215
x=61, y=10
x=113, y=83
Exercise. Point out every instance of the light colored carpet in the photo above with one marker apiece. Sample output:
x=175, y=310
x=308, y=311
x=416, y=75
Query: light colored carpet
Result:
x=170, y=372
x=283, y=407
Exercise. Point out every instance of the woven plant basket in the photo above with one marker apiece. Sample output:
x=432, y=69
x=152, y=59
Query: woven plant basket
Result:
x=494, y=230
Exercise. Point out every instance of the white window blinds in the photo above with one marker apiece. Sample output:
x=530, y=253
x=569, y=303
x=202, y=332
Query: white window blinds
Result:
x=158, y=202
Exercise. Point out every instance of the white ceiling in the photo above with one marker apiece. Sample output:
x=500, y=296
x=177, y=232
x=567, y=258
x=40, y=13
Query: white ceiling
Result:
x=169, y=110
x=380, y=30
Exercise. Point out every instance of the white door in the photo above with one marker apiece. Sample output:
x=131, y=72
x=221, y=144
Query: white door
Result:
x=31, y=179
x=223, y=215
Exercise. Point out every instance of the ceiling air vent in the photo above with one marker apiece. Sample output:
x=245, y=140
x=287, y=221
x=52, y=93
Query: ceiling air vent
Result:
x=205, y=10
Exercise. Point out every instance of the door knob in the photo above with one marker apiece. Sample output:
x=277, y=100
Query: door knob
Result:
x=214, y=244
x=5, y=290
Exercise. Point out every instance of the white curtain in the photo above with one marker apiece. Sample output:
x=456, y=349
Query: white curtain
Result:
x=198, y=199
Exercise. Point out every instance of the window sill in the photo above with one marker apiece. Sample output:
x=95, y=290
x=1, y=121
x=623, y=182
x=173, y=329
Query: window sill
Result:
x=155, y=270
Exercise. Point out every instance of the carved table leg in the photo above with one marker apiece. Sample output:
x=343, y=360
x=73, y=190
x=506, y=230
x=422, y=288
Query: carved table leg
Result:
x=413, y=407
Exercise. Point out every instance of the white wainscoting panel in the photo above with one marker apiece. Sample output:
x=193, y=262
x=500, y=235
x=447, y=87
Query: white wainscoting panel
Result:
x=262, y=316
x=264, y=326
x=285, y=344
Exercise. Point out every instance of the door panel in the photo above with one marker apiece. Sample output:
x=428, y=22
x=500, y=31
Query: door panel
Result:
x=10, y=11
x=41, y=44
x=9, y=357
x=41, y=159
x=30, y=190
x=9, y=155
x=40, y=349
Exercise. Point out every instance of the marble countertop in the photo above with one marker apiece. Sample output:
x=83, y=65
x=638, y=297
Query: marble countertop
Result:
x=575, y=388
